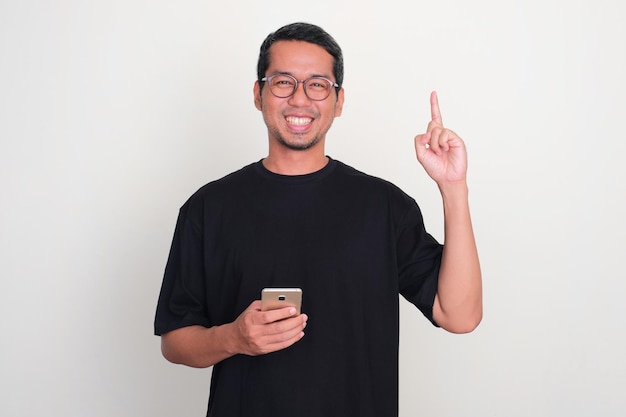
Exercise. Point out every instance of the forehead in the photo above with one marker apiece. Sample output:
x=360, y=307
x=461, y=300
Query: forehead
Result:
x=300, y=58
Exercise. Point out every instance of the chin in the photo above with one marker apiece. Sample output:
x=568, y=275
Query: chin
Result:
x=298, y=145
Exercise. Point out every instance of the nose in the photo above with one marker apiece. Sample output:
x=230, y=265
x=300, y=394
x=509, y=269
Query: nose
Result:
x=299, y=97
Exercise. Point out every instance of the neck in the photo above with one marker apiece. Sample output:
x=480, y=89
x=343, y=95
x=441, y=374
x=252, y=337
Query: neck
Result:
x=295, y=163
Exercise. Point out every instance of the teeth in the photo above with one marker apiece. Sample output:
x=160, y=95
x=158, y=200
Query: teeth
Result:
x=299, y=120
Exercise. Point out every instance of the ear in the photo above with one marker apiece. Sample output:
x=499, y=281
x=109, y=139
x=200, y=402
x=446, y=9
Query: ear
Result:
x=339, y=103
x=257, y=96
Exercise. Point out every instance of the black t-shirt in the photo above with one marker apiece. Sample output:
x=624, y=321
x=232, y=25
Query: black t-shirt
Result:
x=352, y=242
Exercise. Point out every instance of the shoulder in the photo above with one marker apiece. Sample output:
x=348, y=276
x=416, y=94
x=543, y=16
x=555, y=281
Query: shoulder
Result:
x=369, y=183
x=214, y=194
x=373, y=191
x=224, y=185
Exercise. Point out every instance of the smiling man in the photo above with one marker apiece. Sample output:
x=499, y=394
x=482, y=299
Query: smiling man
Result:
x=297, y=105
x=297, y=218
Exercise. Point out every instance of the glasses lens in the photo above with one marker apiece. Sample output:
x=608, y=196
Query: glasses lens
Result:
x=282, y=85
x=318, y=88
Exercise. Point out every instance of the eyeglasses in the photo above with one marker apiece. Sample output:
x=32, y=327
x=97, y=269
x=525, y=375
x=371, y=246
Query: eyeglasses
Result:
x=284, y=85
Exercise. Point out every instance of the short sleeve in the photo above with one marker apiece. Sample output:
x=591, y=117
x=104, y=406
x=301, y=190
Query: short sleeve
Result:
x=182, y=300
x=419, y=260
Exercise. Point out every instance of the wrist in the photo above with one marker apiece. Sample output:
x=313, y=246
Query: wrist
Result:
x=454, y=191
x=227, y=333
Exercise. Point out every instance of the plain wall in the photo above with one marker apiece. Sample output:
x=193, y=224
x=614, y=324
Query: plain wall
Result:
x=113, y=112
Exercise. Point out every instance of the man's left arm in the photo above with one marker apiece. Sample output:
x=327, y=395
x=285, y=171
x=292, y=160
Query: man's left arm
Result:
x=458, y=303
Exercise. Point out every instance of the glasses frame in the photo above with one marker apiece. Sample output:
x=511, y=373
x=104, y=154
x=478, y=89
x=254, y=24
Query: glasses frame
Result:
x=268, y=79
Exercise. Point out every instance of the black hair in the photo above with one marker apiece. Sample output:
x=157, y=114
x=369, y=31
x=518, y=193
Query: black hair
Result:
x=302, y=32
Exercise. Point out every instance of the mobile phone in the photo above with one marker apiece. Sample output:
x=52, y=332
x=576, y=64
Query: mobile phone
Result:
x=273, y=298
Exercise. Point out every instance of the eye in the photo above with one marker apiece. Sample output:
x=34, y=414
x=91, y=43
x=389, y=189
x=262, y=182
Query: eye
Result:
x=318, y=84
x=283, y=82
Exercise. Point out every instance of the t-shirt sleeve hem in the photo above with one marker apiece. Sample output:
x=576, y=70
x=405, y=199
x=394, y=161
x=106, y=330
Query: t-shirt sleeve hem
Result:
x=161, y=328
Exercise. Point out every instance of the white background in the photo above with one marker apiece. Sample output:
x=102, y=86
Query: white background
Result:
x=113, y=112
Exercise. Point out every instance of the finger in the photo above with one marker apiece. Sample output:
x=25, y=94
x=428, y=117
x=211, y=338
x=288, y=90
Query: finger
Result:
x=255, y=306
x=271, y=316
x=284, y=341
x=283, y=333
x=444, y=139
x=422, y=139
x=435, y=140
x=289, y=325
x=422, y=145
x=448, y=139
x=435, y=113
x=274, y=340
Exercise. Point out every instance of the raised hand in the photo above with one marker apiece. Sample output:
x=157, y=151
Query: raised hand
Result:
x=441, y=151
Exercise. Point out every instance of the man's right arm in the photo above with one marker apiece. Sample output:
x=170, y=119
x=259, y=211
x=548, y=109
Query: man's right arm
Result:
x=254, y=332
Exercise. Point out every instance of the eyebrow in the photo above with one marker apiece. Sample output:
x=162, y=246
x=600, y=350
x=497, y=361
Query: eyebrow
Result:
x=310, y=76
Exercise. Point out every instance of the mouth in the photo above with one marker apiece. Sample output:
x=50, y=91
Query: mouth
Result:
x=298, y=121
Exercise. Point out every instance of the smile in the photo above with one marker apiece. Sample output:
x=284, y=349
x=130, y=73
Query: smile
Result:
x=298, y=121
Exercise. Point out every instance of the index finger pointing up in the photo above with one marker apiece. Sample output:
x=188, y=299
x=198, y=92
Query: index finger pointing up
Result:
x=435, y=113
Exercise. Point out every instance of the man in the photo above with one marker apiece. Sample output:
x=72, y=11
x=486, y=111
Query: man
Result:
x=298, y=218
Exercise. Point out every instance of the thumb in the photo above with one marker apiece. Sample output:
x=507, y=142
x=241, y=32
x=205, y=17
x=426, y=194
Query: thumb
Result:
x=421, y=144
